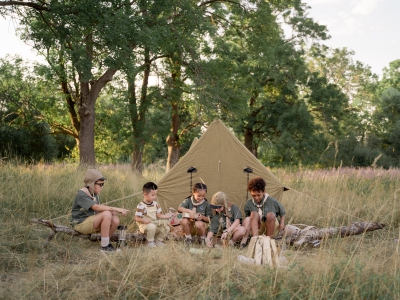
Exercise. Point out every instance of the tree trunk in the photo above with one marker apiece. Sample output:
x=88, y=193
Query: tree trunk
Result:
x=137, y=160
x=138, y=114
x=174, y=147
x=175, y=94
x=86, y=132
x=248, y=139
x=249, y=128
x=89, y=93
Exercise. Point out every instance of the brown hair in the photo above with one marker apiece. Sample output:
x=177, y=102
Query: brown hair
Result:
x=256, y=185
x=149, y=186
x=199, y=186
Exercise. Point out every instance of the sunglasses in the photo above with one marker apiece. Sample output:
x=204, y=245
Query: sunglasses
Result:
x=100, y=184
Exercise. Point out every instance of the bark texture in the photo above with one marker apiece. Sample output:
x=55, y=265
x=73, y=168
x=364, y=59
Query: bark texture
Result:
x=130, y=236
x=309, y=236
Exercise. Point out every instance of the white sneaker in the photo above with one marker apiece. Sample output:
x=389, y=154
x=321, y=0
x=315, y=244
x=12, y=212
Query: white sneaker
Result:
x=151, y=245
x=160, y=244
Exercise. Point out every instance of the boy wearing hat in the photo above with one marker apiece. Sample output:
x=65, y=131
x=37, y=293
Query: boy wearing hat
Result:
x=226, y=222
x=89, y=216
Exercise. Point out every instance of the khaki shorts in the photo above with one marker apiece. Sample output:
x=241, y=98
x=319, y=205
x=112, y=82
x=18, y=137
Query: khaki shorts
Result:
x=262, y=228
x=86, y=227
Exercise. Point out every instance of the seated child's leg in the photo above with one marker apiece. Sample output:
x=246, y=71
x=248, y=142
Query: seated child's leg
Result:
x=201, y=231
x=114, y=224
x=187, y=227
x=239, y=233
x=150, y=232
x=254, y=223
x=270, y=224
x=161, y=232
x=246, y=225
x=200, y=228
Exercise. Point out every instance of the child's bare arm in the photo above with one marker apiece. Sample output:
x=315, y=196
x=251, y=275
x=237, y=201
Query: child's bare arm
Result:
x=186, y=210
x=163, y=216
x=101, y=208
x=209, y=237
x=142, y=220
x=235, y=224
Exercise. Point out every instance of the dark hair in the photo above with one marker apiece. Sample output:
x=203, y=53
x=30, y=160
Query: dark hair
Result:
x=199, y=186
x=256, y=185
x=149, y=186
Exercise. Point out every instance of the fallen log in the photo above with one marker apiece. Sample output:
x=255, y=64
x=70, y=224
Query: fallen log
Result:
x=263, y=250
x=299, y=237
x=55, y=228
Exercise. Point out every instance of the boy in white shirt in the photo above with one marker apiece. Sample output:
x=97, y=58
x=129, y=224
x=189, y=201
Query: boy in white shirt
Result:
x=150, y=218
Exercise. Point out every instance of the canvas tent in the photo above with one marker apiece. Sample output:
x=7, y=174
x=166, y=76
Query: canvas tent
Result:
x=219, y=159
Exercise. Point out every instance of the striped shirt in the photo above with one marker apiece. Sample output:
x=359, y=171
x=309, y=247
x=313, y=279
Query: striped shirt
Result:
x=141, y=209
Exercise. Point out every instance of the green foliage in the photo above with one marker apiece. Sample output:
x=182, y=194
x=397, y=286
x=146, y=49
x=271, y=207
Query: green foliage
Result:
x=387, y=117
x=23, y=131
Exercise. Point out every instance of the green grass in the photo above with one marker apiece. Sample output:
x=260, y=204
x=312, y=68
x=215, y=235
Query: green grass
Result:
x=358, y=267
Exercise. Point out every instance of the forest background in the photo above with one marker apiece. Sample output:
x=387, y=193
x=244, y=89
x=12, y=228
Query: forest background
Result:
x=136, y=82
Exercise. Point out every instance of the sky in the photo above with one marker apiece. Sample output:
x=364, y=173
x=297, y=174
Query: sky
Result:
x=368, y=27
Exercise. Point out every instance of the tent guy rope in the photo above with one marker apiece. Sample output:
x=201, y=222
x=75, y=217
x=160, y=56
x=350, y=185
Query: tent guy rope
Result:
x=325, y=204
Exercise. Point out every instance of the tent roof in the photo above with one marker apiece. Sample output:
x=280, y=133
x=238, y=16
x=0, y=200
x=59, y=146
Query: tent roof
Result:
x=220, y=159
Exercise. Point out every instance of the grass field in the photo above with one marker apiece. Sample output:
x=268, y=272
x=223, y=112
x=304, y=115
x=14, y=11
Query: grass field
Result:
x=359, y=267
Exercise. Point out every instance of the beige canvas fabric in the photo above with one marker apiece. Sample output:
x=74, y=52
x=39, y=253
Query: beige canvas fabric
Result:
x=220, y=159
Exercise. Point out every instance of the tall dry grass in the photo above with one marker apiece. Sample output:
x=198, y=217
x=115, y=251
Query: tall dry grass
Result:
x=360, y=267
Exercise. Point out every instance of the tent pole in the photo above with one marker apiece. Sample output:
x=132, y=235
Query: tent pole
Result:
x=248, y=170
x=191, y=170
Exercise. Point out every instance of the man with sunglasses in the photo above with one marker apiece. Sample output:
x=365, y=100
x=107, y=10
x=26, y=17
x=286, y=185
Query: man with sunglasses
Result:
x=89, y=216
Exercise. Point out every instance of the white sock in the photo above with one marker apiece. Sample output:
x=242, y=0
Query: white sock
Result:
x=105, y=241
x=188, y=236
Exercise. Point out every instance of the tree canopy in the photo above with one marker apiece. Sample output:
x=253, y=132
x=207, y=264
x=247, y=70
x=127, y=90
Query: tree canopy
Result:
x=137, y=81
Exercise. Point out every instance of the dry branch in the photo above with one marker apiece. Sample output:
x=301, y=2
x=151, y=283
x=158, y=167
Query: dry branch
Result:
x=130, y=236
x=301, y=237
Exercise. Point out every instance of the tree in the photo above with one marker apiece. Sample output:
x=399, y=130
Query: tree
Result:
x=266, y=73
x=23, y=131
x=85, y=43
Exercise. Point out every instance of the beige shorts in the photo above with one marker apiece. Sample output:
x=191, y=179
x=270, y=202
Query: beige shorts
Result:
x=86, y=227
x=262, y=228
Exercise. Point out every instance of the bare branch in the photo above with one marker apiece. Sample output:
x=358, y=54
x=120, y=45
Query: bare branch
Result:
x=36, y=6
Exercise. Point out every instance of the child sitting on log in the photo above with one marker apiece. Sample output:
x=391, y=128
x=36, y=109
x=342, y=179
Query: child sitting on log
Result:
x=262, y=211
x=89, y=216
x=198, y=214
x=226, y=222
x=150, y=218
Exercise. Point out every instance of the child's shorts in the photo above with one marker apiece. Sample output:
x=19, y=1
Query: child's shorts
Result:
x=262, y=228
x=86, y=227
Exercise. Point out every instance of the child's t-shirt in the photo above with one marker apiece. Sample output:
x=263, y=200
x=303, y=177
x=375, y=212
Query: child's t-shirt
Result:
x=219, y=220
x=203, y=208
x=143, y=209
x=269, y=205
